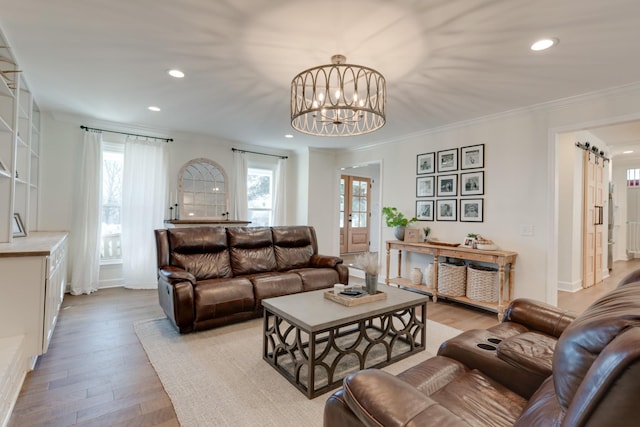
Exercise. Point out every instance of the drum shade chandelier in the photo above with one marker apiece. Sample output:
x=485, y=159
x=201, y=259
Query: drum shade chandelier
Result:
x=338, y=99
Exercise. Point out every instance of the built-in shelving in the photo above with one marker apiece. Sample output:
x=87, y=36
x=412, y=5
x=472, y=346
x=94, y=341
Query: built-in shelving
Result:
x=19, y=147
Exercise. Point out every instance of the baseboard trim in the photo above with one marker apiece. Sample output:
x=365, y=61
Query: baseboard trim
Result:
x=570, y=286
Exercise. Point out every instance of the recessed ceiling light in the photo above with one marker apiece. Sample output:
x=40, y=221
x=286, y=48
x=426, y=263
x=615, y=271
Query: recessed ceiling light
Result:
x=543, y=44
x=176, y=73
x=288, y=136
x=154, y=108
x=627, y=152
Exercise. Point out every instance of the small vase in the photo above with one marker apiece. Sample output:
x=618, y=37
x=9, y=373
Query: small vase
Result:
x=371, y=282
x=399, y=232
x=416, y=276
x=428, y=276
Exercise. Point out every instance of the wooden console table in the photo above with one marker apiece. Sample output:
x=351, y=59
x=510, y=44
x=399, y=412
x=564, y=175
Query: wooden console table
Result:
x=505, y=260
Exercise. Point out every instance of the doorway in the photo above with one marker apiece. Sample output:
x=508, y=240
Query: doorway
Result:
x=355, y=213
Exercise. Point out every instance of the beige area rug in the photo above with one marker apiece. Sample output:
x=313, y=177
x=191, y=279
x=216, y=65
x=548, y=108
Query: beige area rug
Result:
x=218, y=377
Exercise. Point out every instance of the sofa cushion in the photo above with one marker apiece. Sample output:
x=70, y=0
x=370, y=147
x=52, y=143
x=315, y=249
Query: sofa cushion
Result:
x=583, y=340
x=202, y=251
x=222, y=297
x=251, y=250
x=317, y=278
x=479, y=400
x=293, y=247
x=274, y=285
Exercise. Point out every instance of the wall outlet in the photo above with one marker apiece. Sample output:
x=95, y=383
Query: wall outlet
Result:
x=526, y=230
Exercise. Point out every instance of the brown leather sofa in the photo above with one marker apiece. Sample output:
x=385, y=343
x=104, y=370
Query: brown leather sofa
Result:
x=211, y=276
x=593, y=366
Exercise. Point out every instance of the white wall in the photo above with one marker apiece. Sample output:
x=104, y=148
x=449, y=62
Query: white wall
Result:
x=60, y=171
x=569, y=212
x=521, y=178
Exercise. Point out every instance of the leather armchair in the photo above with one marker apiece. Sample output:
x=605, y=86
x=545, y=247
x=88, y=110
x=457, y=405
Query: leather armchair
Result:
x=594, y=378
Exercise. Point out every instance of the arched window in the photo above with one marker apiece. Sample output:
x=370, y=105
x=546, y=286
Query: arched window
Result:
x=202, y=190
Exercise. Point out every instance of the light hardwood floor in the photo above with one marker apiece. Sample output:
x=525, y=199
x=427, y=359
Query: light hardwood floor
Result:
x=96, y=373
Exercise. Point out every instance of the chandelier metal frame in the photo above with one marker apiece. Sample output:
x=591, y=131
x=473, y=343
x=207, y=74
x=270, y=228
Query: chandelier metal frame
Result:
x=338, y=99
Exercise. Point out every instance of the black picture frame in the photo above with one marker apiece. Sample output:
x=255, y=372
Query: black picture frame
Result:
x=472, y=157
x=424, y=210
x=447, y=185
x=471, y=210
x=448, y=160
x=447, y=209
x=425, y=163
x=472, y=183
x=425, y=186
x=18, y=226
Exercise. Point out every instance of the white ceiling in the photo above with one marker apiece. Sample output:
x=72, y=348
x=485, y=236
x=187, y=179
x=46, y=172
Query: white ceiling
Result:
x=445, y=61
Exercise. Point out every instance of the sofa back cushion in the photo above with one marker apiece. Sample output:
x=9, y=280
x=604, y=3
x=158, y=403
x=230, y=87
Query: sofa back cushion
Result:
x=587, y=336
x=202, y=251
x=293, y=247
x=251, y=250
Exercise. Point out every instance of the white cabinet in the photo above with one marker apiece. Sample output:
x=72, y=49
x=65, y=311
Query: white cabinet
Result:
x=19, y=148
x=32, y=283
x=34, y=271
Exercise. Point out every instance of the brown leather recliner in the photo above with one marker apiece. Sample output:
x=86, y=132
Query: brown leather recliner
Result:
x=211, y=276
x=594, y=374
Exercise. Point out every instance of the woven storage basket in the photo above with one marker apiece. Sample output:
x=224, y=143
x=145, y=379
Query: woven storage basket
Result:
x=481, y=284
x=452, y=279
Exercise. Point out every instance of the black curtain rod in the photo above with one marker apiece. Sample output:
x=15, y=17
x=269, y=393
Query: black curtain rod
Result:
x=128, y=134
x=262, y=154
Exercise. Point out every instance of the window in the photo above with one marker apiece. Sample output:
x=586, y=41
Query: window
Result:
x=260, y=196
x=633, y=177
x=111, y=228
x=203, y=187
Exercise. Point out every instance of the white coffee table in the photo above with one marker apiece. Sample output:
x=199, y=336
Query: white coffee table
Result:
x=315, y=342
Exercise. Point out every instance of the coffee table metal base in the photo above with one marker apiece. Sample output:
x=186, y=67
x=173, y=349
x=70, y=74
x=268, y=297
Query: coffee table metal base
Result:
x=316, y=362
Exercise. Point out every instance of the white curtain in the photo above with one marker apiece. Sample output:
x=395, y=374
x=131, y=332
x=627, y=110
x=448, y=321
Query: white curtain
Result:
x=143, y=206
x=85, y=270
x=240, y=167
x=280, y=201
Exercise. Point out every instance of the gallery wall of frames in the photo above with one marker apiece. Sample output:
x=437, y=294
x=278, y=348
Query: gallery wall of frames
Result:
x=450, y=185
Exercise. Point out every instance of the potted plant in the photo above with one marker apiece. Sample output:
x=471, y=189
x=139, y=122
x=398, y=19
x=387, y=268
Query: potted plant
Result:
x=397, y=220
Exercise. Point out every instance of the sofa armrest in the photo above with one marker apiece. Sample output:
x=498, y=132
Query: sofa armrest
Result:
x=175, y=274
x=539, y=316
x=325, y=261
x=378, y=398
x=175, y=292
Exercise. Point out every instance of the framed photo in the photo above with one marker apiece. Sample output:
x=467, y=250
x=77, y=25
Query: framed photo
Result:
x=472, y=157
x=426, y=163
x=448, y=160
x=472, y=184
x=424, y=210
x=471, y=210
x=412, y=235
x=447, y=210
x=468, y=242
x=424, y=186
x=447, y=185
x=18, y=227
